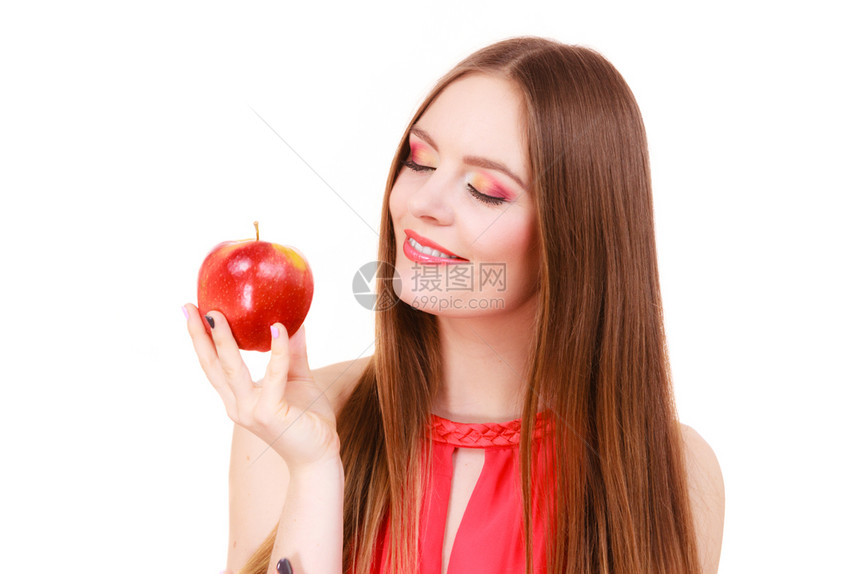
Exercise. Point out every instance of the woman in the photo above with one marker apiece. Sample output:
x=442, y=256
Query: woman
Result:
x=538, y=393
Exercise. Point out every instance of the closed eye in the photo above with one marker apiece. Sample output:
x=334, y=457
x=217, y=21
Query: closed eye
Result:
x=489, y=199
x=416, y=167
x=482, y=197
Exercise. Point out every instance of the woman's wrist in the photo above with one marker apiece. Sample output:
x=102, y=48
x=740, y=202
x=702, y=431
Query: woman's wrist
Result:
x=327, y=469
x=310, y=531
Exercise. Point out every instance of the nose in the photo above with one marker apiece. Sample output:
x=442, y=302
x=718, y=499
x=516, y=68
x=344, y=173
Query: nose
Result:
x=432, y=201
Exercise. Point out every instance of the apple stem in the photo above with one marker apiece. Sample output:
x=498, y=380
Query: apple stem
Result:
x=257, y=228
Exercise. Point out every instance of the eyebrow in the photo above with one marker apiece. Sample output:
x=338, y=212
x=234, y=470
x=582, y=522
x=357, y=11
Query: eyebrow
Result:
x=472, y=159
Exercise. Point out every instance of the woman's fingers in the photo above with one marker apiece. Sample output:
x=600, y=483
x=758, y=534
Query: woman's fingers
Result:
x=235, y=371
x=202, y=343
x=288, y=363
x=299, y=369
x=208, y=357
x=287, y=386
x=275, y=380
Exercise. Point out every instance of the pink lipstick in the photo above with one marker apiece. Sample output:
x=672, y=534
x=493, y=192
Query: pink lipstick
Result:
x=416, y=252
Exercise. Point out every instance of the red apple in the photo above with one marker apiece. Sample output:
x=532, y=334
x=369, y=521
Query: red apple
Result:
x=255, y=284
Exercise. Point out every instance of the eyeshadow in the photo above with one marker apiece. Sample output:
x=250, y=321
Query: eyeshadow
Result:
x=421, y=154
x=489, y=186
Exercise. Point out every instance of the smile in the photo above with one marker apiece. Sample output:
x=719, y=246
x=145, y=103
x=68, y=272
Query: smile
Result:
x=421, y=253
x=427, y=250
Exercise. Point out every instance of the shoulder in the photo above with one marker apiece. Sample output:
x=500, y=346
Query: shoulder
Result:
x=339, y=379
x=707, y=496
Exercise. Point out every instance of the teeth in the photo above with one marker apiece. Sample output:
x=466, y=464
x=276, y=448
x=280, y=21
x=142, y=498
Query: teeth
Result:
x=428, y=251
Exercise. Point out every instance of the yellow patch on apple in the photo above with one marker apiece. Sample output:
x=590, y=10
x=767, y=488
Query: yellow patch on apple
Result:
x=294, y=257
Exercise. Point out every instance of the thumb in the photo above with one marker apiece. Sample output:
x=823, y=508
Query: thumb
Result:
x=275, y=380
x=298, y=366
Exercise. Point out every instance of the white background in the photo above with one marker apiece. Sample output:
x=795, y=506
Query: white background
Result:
x=130, y=145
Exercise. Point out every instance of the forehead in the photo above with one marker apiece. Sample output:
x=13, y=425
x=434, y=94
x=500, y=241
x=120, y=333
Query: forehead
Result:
x=479, y=115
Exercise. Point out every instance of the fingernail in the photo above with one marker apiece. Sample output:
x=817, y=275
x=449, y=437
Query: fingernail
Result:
x=185, y=312
x=275, y=332
x=284, y=566
x=211, y=321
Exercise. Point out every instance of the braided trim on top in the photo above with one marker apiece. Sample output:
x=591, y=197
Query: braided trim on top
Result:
x=479, y=435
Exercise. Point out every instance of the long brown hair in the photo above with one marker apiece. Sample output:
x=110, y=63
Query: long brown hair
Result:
x=598, y=365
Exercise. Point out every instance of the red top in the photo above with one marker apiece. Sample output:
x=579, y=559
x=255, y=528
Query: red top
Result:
x=490, y=538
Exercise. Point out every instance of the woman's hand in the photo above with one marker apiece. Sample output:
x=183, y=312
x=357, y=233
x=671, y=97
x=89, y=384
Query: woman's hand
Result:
x=285, y=408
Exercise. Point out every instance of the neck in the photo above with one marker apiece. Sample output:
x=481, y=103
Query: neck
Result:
x=484, y=365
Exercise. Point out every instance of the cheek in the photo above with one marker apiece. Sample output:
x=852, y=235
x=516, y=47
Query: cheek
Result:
x=516, y=246
x=396, y=203
x=508, y=242
x=398, y=199
x=397, y=210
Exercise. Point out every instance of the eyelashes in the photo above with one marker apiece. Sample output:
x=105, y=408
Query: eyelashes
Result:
x=408, y=162
x=482, y=197
x=489, y=199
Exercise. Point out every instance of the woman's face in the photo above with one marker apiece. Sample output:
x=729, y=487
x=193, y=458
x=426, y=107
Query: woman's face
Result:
x=464, y=191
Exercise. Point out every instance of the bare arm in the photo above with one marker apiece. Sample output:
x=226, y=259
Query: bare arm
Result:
x=310, y=533
x=289, y=412
x=259, y=477
x=707, y=498
x=258, y=491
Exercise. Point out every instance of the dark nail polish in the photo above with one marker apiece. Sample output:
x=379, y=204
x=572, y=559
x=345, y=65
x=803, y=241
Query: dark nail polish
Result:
x=211, y=321
x=284, y=566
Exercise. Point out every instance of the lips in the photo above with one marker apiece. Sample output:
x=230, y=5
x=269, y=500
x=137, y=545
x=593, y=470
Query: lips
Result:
x=416, y=255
